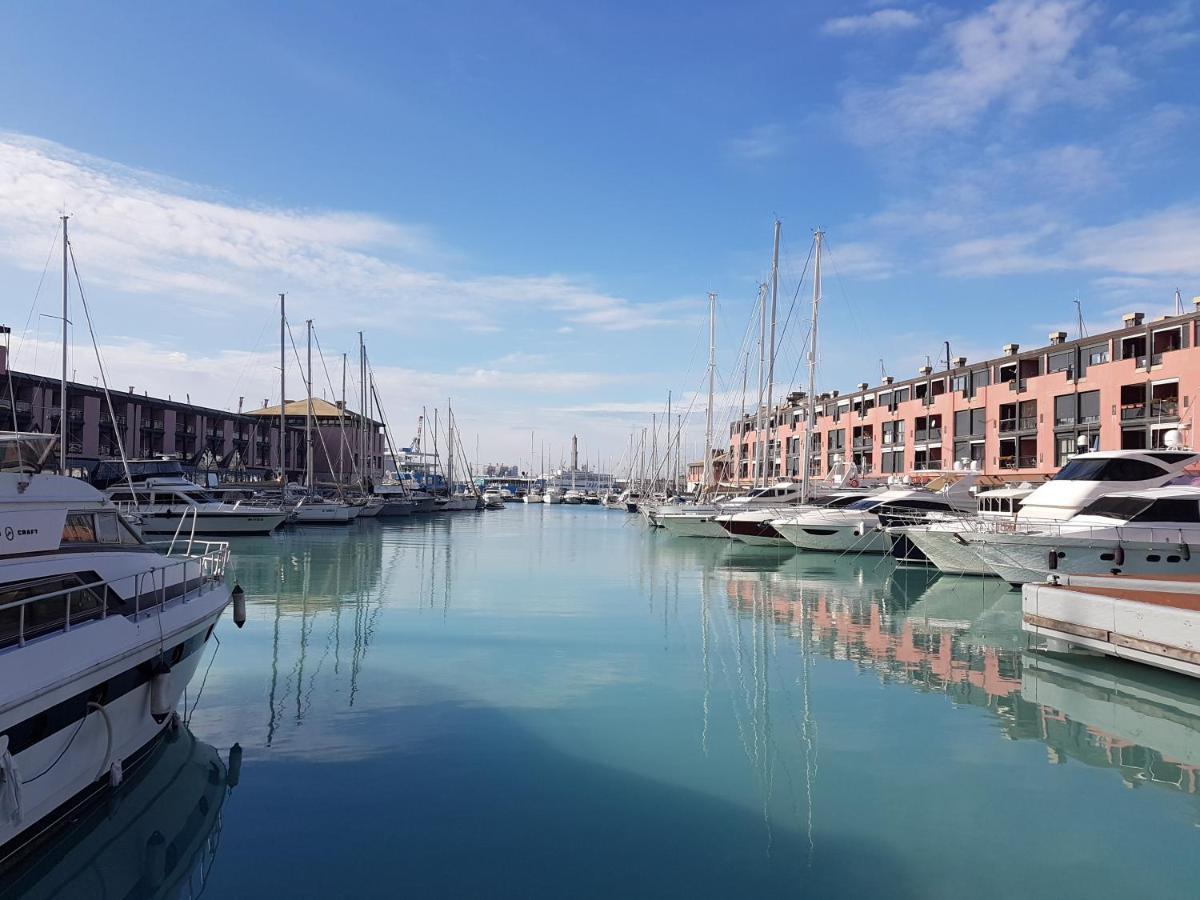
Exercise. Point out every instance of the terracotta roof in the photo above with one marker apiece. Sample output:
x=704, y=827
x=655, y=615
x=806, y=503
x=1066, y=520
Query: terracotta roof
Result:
x=322, y=409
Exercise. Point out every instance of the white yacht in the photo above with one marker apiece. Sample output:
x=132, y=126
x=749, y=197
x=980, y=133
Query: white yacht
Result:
x=1151, y=532
x=755, y=526
x=700, y=520
x=573, y=497
x=312, y=509
x=1084, y=479
x=99, y=635
x=940, y=544
x=493, y=499
x=552, y=494
x=172, y=504
x=859, y=527
x=403, y=496
x=533, y=495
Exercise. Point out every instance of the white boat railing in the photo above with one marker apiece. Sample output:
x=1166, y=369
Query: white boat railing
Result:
x=151, y=585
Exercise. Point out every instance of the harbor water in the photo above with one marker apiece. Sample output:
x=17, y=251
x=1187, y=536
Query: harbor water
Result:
x=555, y=701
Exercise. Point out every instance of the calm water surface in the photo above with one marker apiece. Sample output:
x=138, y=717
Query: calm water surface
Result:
x=557, y=702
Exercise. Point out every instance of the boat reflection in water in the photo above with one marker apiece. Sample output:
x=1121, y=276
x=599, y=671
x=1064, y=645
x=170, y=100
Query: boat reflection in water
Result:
x=962, y=638
x=155, y=836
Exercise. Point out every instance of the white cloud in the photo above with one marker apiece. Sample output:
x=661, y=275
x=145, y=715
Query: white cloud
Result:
x=1165, y=242
x=879, y=22
x=149, y=237
x=1016, y=55
x=763, y=142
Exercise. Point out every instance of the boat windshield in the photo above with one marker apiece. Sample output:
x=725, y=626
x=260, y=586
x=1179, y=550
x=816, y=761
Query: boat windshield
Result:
x=25, y=452
x=1109, y=469
x=865, y=503
x=1120, y=508
x=839, y=502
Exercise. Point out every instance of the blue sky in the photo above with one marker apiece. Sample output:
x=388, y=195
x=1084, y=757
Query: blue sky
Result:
x=525, y=204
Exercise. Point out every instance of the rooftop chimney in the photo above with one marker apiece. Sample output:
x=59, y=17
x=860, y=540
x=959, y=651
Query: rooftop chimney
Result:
x=1196, y=302
x=959, y=361
x=1057, y=337
x=925, y=370
x=1011, y=349
x=862, y=385
x=834, y=393
x=1133, y=320
x=888, y=379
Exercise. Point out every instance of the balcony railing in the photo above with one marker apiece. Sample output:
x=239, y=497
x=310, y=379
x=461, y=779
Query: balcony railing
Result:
x=864, y=443
x=929, y=434
x=1161, y=408
x=1133, y=411
x=1027, y=423
x=1063, y=420
x=1008, y=425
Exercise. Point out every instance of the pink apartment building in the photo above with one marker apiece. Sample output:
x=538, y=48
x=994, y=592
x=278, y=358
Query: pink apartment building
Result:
x=1021, y=415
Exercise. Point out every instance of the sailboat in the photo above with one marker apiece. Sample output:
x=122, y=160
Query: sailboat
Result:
x=533, y=494
x=310, y=508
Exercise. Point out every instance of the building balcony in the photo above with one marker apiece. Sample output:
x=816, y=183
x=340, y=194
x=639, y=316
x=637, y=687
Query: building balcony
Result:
x=1008, y=425
x=1018, y=462
x=1160, y=409
x=1027, y=423
x=1133, y=411
x=864, y=444
x=929, y=434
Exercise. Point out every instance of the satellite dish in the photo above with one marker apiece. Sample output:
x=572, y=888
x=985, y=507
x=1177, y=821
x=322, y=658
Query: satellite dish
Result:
x=958, y=465
x=1172, y=439
x=1082, y=442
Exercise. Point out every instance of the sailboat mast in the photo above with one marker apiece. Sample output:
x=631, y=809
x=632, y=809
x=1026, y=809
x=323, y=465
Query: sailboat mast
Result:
x=771, y=348
x=812, y=366
x=670, y=447
x=342, y=429
x=63, y=428
x=308, y=411
x=712, y=365
x=282, y=392
x=362, y=385
x=759, y=450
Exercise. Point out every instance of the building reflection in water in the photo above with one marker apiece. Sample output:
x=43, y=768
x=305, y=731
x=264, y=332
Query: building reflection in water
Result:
x=155, y=836
x=959, y=637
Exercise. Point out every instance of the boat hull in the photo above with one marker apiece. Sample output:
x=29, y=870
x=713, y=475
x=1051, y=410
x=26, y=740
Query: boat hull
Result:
x=210, y=523
x=834, y=538
x=1028, y=559
x=694, y=526
x=89, y=737
x=950, y=553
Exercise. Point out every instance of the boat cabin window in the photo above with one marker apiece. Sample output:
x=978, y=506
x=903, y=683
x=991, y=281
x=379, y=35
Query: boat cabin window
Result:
x=1111, y=469
x=105, y=527
x=919, y=503
x=43, y=616
x=1170, y=509
x=1172, y=458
